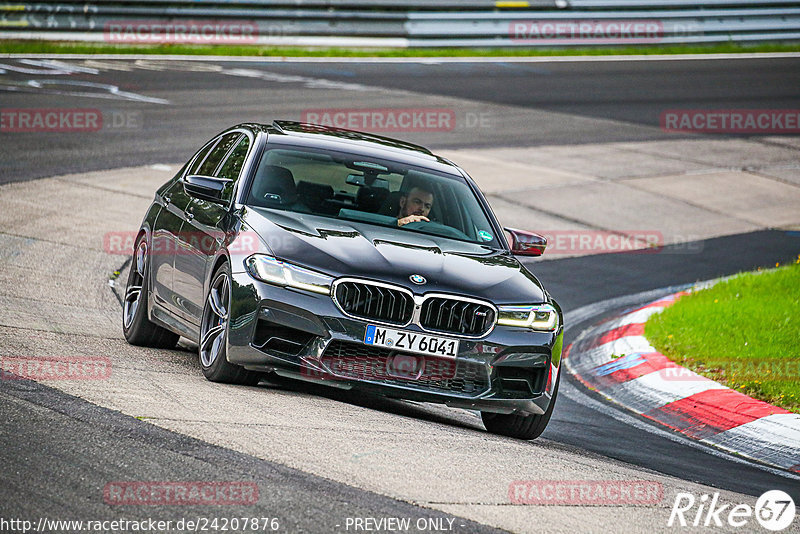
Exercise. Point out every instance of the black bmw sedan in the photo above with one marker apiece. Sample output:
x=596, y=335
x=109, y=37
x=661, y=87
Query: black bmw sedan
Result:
x=347, y=259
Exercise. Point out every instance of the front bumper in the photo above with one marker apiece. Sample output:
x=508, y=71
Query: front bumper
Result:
x=303, y=335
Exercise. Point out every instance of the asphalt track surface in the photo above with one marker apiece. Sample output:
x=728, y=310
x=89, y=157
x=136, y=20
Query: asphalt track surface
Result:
x=49, y=436
x=634, y=92
x=64, y=450
x=520, y=104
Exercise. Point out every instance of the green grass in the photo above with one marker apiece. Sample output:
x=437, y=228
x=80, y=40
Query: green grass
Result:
x=57, y=47
x=743, y=332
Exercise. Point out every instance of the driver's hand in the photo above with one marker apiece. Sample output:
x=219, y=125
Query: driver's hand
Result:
x=412, y=218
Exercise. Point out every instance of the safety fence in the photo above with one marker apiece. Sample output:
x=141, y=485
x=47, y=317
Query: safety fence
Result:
x=412, y=23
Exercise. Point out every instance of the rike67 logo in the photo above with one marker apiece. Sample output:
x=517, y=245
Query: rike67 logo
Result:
x=774, y=510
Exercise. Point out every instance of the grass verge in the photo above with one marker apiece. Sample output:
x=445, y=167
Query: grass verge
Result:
x=58, y=47
x=743, y=332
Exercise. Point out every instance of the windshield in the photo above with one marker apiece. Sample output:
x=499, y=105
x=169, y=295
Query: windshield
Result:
x=370, y=190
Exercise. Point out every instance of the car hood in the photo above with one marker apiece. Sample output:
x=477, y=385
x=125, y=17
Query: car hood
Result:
x=347, y=248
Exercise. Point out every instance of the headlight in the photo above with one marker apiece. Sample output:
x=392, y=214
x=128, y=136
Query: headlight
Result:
x=536, y=317
x=274, y=271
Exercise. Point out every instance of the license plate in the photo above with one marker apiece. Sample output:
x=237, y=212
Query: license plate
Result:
x=411, y=341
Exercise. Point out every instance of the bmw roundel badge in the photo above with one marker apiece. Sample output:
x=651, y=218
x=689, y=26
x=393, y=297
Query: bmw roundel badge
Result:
x=417, y=279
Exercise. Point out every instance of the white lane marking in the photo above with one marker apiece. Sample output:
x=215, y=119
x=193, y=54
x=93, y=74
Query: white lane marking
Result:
x=428, y=60
x=151, y=63
x=756, y=439
x=311, y=83
x=652, y=390
x=189, y=66
x=639, y=316
x=59, y=65
x=111, y=91
x=59, y=68
x=161, y=167
x=44, y=72
x=124, y=66
x=627, y=345
x=620, y=414
x=155, y=65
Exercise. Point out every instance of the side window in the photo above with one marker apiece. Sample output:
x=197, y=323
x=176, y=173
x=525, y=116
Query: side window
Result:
x=201, y=156
x=233, y=166
x=215, y=157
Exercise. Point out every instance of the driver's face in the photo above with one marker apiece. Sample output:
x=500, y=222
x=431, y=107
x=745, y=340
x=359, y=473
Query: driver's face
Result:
x=417, y=202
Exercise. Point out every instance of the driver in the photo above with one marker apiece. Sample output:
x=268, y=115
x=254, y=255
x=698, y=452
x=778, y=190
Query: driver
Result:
x=415, y=206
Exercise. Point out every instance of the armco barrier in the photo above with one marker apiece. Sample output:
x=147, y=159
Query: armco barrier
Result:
x=413, y=23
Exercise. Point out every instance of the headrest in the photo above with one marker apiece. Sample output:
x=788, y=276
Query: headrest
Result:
x=275, y=185
x=391, y=205
x=314, y=195
x=371, y=198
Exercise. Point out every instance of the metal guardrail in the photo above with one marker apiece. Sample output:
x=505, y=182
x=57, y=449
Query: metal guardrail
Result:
x=394, y=5
x=414, y=23
x=604, y=27
x=658, y=4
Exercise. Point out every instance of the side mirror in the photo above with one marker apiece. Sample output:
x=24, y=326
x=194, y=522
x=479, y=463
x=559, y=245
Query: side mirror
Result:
x=526, y=243
x=205, y=187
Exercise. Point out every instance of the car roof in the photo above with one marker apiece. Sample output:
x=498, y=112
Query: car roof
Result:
x=341, y=139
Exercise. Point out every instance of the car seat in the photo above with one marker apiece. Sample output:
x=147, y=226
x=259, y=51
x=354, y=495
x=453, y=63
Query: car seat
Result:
x=275, y=185
x=371, y=199
x=315, y=196
x=391, y=205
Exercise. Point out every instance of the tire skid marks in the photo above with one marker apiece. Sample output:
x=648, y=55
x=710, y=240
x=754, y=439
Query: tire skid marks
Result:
x=64, y=86
x=89, y=89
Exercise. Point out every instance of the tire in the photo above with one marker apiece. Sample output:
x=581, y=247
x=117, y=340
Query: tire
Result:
x=525, y=427
x=212, y=346
x=136, y=326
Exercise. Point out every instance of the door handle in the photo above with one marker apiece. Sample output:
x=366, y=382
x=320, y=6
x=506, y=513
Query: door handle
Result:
x=189, y=214
x=167, y=199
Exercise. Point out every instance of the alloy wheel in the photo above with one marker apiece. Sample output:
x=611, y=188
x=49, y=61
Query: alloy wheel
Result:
x=215, y=320
x=133, y=293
